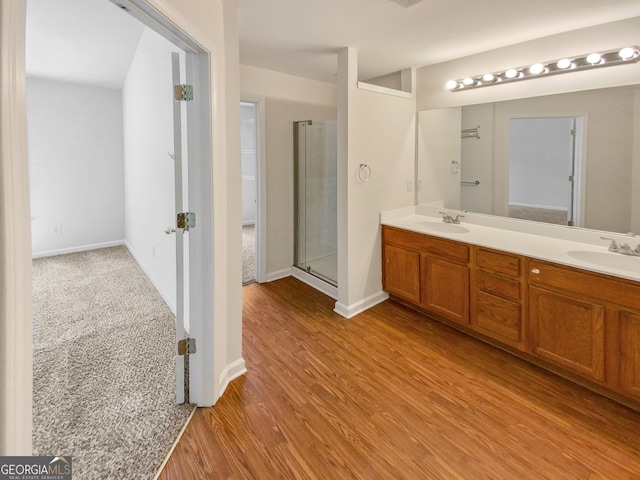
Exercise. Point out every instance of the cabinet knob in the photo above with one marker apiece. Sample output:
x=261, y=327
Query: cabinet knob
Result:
x=535, y=271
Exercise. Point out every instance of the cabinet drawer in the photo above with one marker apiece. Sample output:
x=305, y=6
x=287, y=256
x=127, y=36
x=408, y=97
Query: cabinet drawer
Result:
x=496, y=285
x=588, y=284
x=449, y=250
x=498, y=318
x=498, y=262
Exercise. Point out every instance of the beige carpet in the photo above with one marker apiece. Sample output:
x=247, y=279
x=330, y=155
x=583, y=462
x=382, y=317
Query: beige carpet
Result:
x=104, y=366
x=559, y=217
x=248, y=254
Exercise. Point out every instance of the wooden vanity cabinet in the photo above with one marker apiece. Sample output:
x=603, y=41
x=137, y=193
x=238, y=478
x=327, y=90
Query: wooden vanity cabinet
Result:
x=587, y=323
x=628, y=344
x=497, y=295
x=429, y=272
x=572, y=321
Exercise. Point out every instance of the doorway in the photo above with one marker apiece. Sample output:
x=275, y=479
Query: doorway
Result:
x=254, y=168
x=123, y=191
x=544, y=169
x=249, y=160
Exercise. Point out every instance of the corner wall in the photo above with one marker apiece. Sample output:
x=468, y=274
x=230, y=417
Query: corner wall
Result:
x=378, y=130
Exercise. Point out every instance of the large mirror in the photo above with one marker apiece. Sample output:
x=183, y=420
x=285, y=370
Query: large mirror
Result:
x=571, y=158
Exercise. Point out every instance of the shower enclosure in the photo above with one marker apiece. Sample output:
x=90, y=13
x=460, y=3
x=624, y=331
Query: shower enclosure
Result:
x=315, y=185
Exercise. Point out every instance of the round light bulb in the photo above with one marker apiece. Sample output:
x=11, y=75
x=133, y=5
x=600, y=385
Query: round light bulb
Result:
x=536, y=68
x=564, y=63
x=627, y=53
x=488, y=77
x=594, y=58
x=511, y=73
x=452, y=84
x=468, y=81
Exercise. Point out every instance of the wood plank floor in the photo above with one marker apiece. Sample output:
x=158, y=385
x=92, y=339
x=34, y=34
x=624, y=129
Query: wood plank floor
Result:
x=391, y=394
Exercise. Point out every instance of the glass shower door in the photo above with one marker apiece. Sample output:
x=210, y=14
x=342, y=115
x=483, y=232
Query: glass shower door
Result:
x=316, y=199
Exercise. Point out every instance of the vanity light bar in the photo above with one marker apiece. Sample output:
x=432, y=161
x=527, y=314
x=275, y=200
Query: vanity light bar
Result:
x=609, y=58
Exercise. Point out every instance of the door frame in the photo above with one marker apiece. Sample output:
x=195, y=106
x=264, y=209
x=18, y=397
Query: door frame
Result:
x=200, y=239
x=16, y=372
x=261, y=185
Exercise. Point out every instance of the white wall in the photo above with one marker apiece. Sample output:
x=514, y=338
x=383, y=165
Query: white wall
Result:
x=438, y=146
x=287, y=99
x=76, y=166
x=149, y=171
x=378, y=130
x=477, y=159
x=432, y=79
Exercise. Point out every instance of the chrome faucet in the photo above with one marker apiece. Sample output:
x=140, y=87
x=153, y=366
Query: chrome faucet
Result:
x=446, y=218
x=622, y=248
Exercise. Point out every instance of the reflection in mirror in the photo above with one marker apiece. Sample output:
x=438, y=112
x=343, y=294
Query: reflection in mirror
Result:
x=606, y=146
x=542, y=165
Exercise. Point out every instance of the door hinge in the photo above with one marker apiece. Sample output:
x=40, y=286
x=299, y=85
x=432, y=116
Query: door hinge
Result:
x=571, y=178
x=187, y=346
x=186, y=220
x=183, y=93
x=573, y=131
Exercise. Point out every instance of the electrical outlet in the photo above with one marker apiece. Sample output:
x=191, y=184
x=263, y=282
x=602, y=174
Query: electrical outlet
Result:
x=409, y=186
x=56, y=230
x=153, y=252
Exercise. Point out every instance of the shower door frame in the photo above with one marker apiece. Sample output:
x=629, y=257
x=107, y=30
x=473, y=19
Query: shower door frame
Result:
x=325, y=284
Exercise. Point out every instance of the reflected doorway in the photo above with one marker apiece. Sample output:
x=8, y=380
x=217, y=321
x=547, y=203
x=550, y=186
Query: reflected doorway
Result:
x=544, y=167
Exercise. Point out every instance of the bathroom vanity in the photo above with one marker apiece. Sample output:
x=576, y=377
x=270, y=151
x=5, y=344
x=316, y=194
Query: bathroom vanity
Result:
x=564, y=303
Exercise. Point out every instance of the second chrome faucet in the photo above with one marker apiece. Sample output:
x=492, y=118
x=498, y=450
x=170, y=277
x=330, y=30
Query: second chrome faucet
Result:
x=622, y=247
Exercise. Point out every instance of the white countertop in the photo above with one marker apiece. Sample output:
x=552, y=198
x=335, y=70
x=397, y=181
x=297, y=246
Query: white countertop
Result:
x=565, y=245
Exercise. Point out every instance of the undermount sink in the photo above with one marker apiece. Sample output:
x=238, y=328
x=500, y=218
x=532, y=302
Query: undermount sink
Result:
x=608, y=259
x=443, y=227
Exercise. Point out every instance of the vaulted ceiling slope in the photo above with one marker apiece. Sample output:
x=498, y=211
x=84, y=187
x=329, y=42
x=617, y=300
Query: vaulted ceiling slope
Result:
x=81, y=41
x=92, y=41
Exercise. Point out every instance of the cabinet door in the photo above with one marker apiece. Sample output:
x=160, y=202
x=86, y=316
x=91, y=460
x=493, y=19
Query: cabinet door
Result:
x=402, y=272
x=446, y=289
x=630, y=353
x=567, y=331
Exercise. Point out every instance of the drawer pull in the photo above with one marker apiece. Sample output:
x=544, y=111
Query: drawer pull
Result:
x=535, y=271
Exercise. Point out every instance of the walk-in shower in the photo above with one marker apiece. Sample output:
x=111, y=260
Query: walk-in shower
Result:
x=316, y=222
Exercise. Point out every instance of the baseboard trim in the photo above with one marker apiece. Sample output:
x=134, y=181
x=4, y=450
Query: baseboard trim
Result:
x=273, y=276
x=81, y=248
x=230, y=373
x=350, y=311
x=315, y=282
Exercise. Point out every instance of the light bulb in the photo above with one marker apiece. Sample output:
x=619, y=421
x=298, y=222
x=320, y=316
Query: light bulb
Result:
x=536, y=68
x=511, y=73
x=451, y=84
x=468, y=81
x=488, y=77
x=627, y=53
x=564, y=63
x=594, y=58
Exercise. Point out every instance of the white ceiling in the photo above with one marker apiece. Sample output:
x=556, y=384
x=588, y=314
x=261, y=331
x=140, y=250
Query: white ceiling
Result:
x=92, y=41
x=81, y=41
